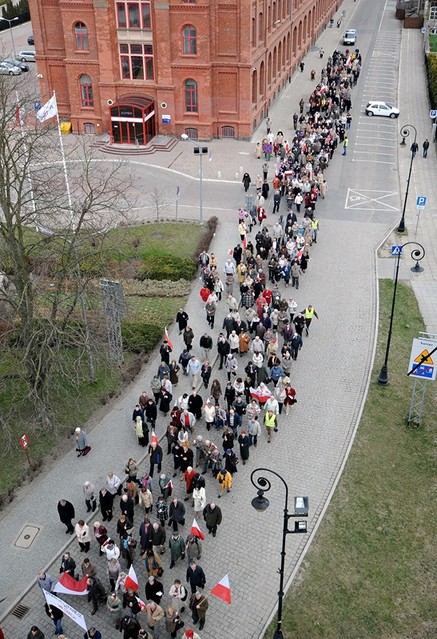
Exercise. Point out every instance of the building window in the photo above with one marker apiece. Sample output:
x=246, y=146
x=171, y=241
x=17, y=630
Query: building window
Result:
x=193, y=134
x=189, y=40
x=89, y=128
x=189, y=2
x=86, y=91
x=191, y=105
x=261, y=27
x=134, y=15
x=81, y=36
x=433, y=13
x=228, y=132
x=136, y=61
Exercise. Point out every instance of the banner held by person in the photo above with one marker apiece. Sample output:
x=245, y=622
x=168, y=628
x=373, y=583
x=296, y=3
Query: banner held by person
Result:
x=68, y=610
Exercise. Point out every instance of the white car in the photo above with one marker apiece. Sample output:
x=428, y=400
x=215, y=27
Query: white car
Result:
x=382, y=108
x=26, y=56
x=7, y=69
x=350, y=37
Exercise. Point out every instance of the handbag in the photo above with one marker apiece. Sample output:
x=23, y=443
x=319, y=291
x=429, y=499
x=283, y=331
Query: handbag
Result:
x=160, y=571
x=179, y=624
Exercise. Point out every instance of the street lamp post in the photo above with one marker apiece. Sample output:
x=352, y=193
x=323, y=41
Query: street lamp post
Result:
x=200, y=151
x=261, y=503
x=12, y=35
x=405, y=132
x=416, y=254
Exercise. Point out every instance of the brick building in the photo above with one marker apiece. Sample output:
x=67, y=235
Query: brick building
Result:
x=135, y=68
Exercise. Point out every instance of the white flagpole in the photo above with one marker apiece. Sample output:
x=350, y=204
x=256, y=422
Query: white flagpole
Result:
x=64, y=166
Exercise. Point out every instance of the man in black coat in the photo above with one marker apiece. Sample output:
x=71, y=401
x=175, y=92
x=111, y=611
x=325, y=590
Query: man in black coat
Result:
x=176, y=514
x=165, y=351
x=195, y=403
x=145, y=534
x=67, y=564
x=223, y=348
x=66, y=514
x=155, y=452
x=154, y=590
x=195, y=576
x=106, y=500
x=96, y=593
x=130, y=626
x=127, y=507
x=213, y=517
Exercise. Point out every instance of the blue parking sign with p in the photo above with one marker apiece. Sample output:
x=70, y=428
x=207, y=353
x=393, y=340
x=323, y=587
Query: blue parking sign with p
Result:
x=420, y=200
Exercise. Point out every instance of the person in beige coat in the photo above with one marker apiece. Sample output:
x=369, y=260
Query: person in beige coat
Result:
x=154, y=614
x=145, y=499
x=83, y=535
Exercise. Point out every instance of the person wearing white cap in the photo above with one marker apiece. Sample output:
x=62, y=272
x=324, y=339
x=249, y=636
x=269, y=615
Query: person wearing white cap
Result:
x=81, y=441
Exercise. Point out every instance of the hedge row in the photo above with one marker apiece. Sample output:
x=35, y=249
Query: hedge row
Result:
x=431, y=71
x=139, y=337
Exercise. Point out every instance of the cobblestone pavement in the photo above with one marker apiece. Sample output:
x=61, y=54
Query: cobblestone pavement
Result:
x=330, y=375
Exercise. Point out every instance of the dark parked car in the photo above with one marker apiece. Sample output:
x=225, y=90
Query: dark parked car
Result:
x=30, y=40
x=16, y=63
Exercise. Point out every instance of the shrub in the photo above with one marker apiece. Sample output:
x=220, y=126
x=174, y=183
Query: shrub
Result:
x=206, y=239
x=431, y=70
x=167, y=267
x=139, y=337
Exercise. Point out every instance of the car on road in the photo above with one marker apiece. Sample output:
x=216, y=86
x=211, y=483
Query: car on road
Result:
x=6, y=69
x=31, y=40
x=28, y=55
x=350, y=37
x=16, y=63
x=381, y=108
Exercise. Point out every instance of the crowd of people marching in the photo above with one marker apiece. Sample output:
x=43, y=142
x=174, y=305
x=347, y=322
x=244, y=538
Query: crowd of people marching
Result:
x=240, y=396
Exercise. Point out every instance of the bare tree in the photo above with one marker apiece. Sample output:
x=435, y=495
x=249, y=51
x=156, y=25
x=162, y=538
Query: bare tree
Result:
x=159, y=202
x=51, y=248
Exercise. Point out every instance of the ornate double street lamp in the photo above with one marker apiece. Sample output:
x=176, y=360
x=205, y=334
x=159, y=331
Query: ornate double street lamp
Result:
x=416, y=254
x=405, y=132
x=261, y=503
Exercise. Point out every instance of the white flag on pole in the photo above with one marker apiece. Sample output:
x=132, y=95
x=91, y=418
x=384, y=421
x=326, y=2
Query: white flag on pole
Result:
x=71, y=612
x=48, y=110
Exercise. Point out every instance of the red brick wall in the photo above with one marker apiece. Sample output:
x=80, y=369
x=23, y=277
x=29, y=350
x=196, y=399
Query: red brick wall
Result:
x=223, y=67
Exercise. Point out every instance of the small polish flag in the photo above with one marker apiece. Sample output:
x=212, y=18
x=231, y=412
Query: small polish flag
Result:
x=141, y=603
x=131, y=581
x=195, y=530
x=67, y=585
x=222, y=590
x=168, y=338
x=153, y=438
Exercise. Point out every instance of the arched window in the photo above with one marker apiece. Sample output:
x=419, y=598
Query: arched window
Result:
x=228, y=132
x=193, y=134
x=191, y=104
x=261, y=27
x=86, y=91
x=253, y=32
x=81, y=36
x=189, y=40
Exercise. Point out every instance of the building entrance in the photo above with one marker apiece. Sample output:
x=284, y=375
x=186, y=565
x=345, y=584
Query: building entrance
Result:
x=133, y=120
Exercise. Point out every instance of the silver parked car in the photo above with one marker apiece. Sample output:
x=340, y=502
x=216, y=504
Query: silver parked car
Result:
x=16, y=63
x=28, y=55
x=6, y=69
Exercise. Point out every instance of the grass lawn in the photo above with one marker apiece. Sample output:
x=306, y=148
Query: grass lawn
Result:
x=433, y=43
x=372, y=569
x=152, y=303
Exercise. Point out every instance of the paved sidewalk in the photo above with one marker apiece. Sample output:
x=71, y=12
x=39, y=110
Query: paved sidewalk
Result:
x=415, y=110
x=312, y=444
